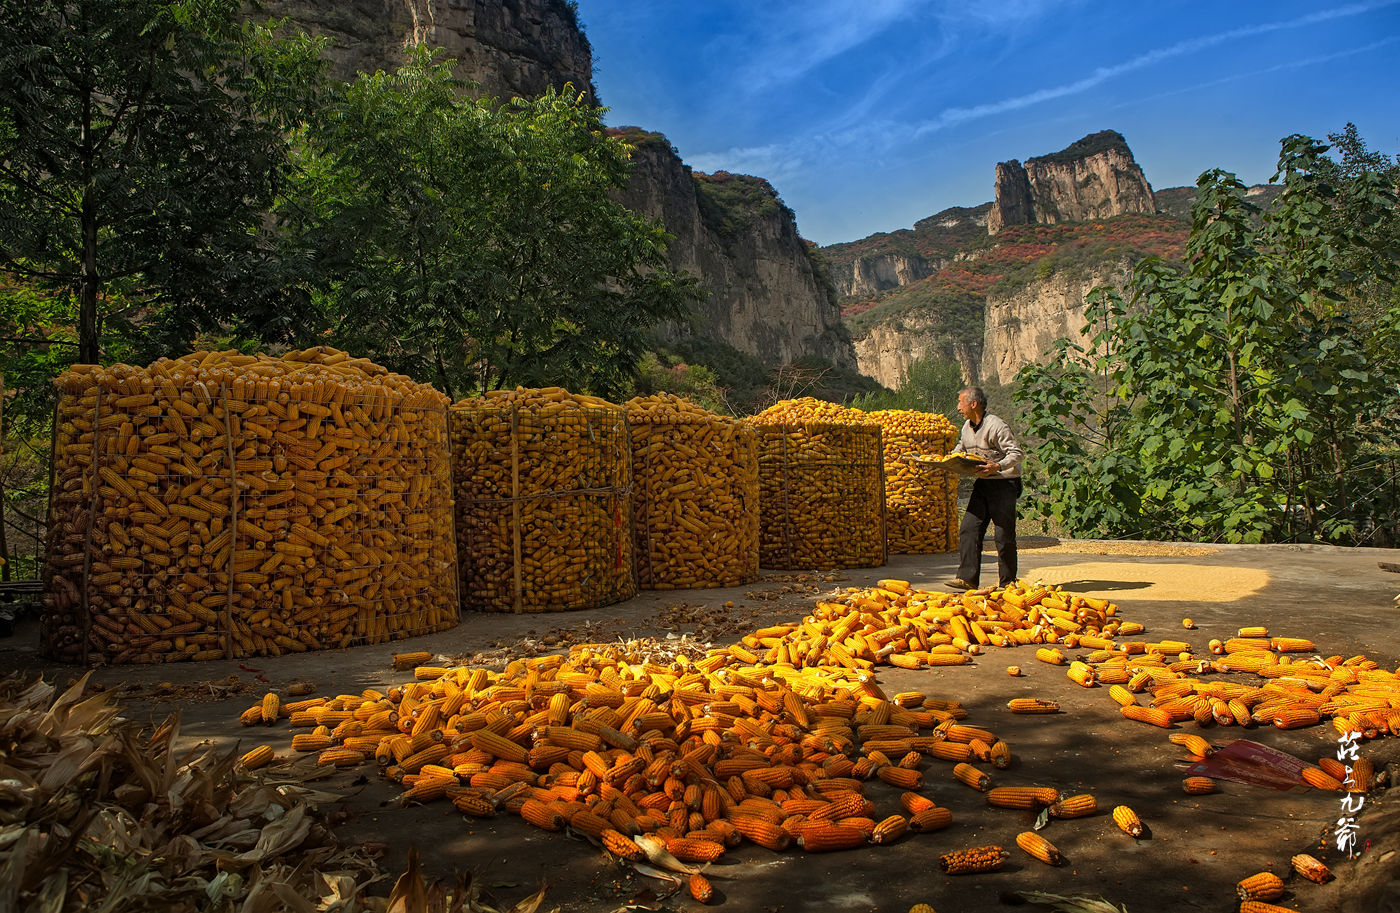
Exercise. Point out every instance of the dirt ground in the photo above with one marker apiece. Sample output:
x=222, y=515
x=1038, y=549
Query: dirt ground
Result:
x=1198, y=846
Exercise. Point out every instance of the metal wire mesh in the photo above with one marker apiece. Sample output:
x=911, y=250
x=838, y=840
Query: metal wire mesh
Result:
x=695, y=502
x=208, y=519
x=544, y=505
x=821, y=496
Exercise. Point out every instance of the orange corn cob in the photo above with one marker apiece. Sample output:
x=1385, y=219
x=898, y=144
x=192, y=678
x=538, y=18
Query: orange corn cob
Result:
x=621, y=845
x=258, y=757
x=889, y=830
x=762, y=832
x=1032, y=705
x=1156, y=716
x=972, y=861
x=474, y=804
x=1039, y=847
x=1262, y=886
x=688, y=849
x=930, y=819
x=1127, y=821
x=1192, y=743
x=700, y=888
x=826, y=837
x=1296, y=718
x=270, y=707
x=971, y=776
x=1363, y=771
x=406, y=661
x=914, y=803
x=1311, y=868
x=1000, y=754
x=1022, y=796
x=1199, y=786
x=1317, y=779
x=1075, y=807
x=340, y=757
x=498, y=745
x=901, y=777
x=1260, y=906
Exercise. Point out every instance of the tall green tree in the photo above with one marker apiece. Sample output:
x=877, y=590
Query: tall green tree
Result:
x=478, y=243
x=141, y=144
x=1233, y=399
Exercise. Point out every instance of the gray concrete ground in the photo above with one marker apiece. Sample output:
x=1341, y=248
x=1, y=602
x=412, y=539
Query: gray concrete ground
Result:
x=1198, y=848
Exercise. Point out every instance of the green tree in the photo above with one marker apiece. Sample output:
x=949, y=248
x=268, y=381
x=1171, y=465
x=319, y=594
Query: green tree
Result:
x=1232, y=399
x=929, y=384
x=141, y=144
x=478, y=243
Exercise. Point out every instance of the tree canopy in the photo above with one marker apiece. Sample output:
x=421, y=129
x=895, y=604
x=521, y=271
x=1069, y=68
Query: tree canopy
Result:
x=1244, y=396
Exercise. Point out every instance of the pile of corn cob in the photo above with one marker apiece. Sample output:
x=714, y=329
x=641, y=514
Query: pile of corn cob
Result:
x=223, y=505
x=695, y=500
x=821, y=487
x=920, y=503
x=543, y=480
x=768, y=740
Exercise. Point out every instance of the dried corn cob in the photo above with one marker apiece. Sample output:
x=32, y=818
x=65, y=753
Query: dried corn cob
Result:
x=1261, y=886
x=1032, y=705
x=1075, y=806
x=258, y=757
x=1199, y=786
x=1311, y=868
x=972, y=861
x=700, y=888
x=1127, y=820
x=1039, y=847
x=1022, y=796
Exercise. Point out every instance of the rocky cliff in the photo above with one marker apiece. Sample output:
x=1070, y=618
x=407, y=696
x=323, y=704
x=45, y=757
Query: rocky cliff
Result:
x=1022, y=326
x=878, y=272
x=883, y=261
x=1094, y=178
x=887, y=350
x=507, y=47
x=767, y=296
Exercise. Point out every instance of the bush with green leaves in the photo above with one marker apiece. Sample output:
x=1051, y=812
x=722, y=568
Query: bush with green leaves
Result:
x=1237, y=398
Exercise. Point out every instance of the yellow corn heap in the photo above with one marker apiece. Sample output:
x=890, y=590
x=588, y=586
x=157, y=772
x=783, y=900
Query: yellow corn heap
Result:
x=695, y=495
x=920, y=502
x=222, y=505
x=821, y=487
x=543, y=481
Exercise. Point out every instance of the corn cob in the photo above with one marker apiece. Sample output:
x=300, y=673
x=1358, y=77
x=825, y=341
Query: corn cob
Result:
x=972, y=861
x=1199, y=786
x=1296, y=718
x=971, y=776
x=1311, y=868
x=310, y=741
x=688, y=849
x=428, y=788
x=1262, y=886
x=1122, y=695
x=1192, y=743
x=252, y=716
x=271, y=705
x=1032, y=705
x=498, y=745
x=826, y=837
x=1022, y=796
x=1127, y=820
x=1317, y=779
x=1000, y=754
x=340, y=757
x=762, y=832
x=474, y=804
x=930, y=819
x=1075, y=807
x=889, y=830
x=1363, y=771
x=901, y=777
x=1259, y=906
x=1156, y=716
x=402, y=662
x=258, y=757
x=700, y=888
x=621, y=845
x=1039, y=847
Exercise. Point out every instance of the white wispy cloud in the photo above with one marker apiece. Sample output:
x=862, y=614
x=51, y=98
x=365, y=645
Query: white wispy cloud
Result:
x=953, y=116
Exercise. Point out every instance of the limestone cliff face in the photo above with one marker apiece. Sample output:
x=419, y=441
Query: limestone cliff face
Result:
x=888, y=349
x=766, y=296
x=1023, y=326
x=1094, y=178
x=878, y=272
x=508, y=47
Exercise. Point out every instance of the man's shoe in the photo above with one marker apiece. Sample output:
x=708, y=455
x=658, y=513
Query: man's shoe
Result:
x=958, y=583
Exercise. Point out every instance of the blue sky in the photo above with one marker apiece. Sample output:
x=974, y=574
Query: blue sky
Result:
x=867, y=115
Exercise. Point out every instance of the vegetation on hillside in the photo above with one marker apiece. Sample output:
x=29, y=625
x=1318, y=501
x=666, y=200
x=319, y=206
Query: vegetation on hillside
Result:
x=956, y=230
x=730, y=204
x=1250, y=393
x=1093, y=144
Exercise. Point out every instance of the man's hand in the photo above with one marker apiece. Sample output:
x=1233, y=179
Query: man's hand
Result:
x=989, y=468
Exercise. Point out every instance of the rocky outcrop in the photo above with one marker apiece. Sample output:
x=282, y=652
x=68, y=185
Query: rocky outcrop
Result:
x=766, y=295
x=875, y=273
x=1095, y=178
x=1014, y=204
x=506, y=47
x=887, y=350
x=1022, y=327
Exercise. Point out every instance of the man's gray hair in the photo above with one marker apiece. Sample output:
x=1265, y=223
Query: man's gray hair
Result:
x=976, y=394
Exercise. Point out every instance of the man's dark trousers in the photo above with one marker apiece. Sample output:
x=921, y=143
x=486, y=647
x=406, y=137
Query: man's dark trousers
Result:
x=993, y=501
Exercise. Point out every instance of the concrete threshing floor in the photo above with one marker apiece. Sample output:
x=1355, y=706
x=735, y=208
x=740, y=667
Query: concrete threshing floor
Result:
x=1198, y=847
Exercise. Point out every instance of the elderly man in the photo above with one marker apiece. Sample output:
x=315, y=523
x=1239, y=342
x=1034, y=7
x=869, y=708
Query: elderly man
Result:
x=994, y=493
